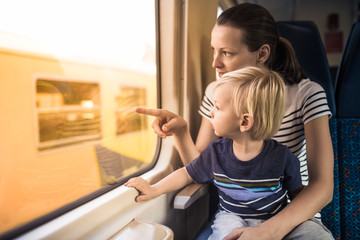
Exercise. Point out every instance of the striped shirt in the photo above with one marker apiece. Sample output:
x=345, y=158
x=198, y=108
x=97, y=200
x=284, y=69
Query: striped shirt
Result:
x=305, y=101
x=251, y=189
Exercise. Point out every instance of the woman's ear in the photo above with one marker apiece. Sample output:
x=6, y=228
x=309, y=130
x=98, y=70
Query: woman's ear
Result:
x=246, y=122
x=263, y=54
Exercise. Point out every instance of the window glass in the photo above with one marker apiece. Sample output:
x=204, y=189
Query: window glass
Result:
x=72, y=73
x=126, y=119
x=68, y=113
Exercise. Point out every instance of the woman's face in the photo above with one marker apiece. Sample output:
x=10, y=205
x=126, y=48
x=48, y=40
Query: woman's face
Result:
x=230, y=53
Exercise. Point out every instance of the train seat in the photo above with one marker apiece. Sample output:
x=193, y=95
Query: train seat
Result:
x=347, y=86
x=306, y=41
x=348, y=77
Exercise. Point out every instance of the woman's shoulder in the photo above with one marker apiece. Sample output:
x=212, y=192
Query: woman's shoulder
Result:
x=207, y=102
x=306, y=85
x=303, y=90
x=307, y=99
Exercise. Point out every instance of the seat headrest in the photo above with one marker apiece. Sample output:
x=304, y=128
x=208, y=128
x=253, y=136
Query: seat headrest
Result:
x=306, y=41
x=347, y=83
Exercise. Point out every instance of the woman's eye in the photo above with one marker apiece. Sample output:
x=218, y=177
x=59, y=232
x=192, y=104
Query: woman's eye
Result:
x=226, y=53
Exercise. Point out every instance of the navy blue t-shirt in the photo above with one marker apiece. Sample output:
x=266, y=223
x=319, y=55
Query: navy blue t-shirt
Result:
x=252, y=189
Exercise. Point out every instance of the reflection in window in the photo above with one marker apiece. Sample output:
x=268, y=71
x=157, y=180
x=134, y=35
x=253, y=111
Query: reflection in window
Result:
x=68, y=112
x=126, y=119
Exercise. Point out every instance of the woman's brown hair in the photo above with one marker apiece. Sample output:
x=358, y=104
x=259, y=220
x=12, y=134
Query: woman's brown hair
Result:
x=259, y=28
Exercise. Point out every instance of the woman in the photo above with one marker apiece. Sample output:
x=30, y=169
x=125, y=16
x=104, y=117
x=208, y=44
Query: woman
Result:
x=246, y=35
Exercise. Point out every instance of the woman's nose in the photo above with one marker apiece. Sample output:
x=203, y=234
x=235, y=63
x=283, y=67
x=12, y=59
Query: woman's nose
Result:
x=216, y=63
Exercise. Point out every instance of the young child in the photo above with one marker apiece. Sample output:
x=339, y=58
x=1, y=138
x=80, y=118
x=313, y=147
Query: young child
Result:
x=253, y=173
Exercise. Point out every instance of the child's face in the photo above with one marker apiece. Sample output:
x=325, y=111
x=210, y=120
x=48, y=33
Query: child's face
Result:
x=224, y=120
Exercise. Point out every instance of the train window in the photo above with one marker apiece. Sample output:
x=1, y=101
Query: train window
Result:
x=72, y=73
x=68, y=112
x=126, y=119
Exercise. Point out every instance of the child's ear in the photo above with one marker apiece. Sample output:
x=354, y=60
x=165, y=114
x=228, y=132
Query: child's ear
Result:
x=246, y=122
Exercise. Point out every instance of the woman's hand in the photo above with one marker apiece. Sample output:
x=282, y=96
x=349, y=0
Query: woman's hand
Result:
x=247, y=233
x=146, y=190
x=165, y=123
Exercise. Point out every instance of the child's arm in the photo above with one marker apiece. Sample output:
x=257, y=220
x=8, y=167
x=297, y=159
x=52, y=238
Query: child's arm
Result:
x=166, y=123
x=176, y=180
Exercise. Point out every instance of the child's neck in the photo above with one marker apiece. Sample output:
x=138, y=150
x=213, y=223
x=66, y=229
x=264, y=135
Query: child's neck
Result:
x=247, y=149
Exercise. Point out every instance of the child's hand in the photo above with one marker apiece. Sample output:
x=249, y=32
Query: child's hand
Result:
x=165, y=123
x=146, y=190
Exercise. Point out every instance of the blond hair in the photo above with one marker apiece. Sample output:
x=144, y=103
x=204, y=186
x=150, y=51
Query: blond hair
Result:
x=260, y=93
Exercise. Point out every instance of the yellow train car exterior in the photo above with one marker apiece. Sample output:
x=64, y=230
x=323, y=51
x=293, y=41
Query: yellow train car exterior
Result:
x=60, y=145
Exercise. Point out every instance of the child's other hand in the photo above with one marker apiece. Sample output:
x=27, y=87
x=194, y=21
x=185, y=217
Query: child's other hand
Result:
x=146, y=190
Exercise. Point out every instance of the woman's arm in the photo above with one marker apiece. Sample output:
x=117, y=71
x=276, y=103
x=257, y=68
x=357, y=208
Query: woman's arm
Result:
x=320, y=162
x=293, y=194
x=176, y=180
